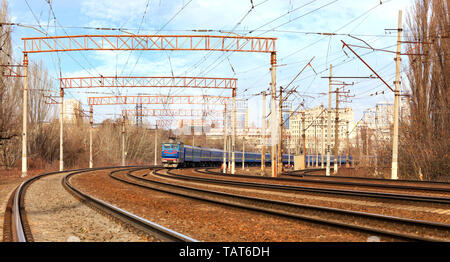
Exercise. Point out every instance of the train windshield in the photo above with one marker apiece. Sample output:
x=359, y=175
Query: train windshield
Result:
x=170, y=146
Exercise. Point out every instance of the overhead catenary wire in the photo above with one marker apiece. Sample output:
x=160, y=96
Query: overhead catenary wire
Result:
x=227, y=58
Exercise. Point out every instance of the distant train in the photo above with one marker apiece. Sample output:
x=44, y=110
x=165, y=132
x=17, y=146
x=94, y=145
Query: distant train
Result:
x=177, y=154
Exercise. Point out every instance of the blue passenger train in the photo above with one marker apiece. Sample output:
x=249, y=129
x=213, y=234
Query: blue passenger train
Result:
x=177, y=154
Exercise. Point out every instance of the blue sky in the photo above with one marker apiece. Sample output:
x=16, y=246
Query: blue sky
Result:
x=294, y=22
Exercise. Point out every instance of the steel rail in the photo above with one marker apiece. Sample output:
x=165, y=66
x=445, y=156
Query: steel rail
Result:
x=19, y=222
x=147, y=226
x=306, y=172
x=390, y=196
x=17, y=215
x=327, y=179
x=282, y=209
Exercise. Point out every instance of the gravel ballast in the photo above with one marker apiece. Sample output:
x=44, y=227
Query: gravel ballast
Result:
x=55, y=215
x=206, y=221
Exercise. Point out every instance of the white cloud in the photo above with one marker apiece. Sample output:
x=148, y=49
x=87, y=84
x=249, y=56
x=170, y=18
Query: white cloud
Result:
x=116, y=12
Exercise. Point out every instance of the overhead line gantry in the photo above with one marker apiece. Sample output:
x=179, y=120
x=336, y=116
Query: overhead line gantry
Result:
x=137, y=82
x=157, y=99
x=127, y=100
x=150, y=43
x=156, y=81
x=172, y=112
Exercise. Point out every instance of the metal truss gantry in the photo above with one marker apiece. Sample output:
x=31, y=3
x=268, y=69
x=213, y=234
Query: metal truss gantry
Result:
x=142, y=42
x=172, y=112
x=149, y=42
x=157, y=81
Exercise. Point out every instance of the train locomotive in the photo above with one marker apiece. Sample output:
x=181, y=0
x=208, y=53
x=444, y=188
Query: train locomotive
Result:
x=176, y=154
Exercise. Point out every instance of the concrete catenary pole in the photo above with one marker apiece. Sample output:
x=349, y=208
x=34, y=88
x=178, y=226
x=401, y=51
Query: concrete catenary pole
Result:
x=336, y=133
x=243, y=153
x=91, y=121
x=274, y=122
x=263, y=135
x=280, y=133
x=315, y=144
x=347, y=163
x=233, y=138
x=225, y=134
x=123, y=140
x=289, y=150
x=193, y=132
x=24, y=115
x=329, y=123
x=61, y=130
x=367, y=145
x=396, y=100
x=229, y=153
x=304, y=136
x=322, y=149
x=156, y=143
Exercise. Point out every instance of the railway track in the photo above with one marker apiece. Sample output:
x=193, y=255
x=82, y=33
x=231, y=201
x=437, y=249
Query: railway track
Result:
x=18, y=229
x=322, y=190
x=426, y=186
x=394, y=227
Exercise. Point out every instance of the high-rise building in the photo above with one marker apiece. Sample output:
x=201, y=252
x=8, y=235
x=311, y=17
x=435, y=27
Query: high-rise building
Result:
x=287, y=111
x=316, y=119
x=241, y=114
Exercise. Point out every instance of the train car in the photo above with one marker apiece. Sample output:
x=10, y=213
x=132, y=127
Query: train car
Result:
x=172, y=154
x=216, y=156
x=177, y=154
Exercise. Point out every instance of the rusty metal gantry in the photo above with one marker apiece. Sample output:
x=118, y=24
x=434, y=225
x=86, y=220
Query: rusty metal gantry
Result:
x=126, y=100
x=157, y=99
x=140, y=42
x=199, y=114
x=149, y=42
x=172, y=112
x=138, y=82
x=11, y=70
x=156, y=81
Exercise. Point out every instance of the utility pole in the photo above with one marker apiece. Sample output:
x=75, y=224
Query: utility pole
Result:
x=336, y=134
x=263, y=135
x=280, y=133
x=322, y=149
x=396, y=91
x=233, y=139
x=304, y=137
x=358, y=145
x=123, y=140
x=193, y=132
x=329, y=123
x=225, y=134
x=289, y=150
x=336, y=129
x=24, y=115
x=229, y=154
x=273, y=124
x=156, y=142
x=243, y=154
x=315, y=143
x=396, y=100
x=61, y=130
x=347, y=163
x=367, y=145
x=91, y=121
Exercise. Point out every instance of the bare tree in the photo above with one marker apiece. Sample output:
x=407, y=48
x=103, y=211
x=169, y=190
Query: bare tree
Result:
x=425, y=147
x=9, y=98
